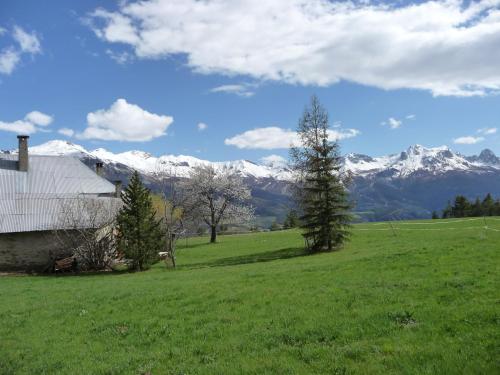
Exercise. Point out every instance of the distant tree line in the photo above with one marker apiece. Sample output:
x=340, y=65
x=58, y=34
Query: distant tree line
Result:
x=462, y=207
x=292, y=220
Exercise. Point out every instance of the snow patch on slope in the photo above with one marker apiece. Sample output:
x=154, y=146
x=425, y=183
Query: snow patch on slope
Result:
x=415, y=159
x=178, y=165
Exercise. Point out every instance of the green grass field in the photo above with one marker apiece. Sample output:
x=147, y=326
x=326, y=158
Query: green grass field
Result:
x=423, y=301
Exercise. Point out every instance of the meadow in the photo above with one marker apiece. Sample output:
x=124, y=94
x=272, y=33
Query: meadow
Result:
x=408, y=298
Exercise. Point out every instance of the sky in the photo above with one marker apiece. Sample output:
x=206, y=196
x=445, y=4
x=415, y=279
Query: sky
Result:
x=225, y=80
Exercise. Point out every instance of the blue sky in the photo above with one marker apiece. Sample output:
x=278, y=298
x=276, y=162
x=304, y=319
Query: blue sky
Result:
x=148, y=75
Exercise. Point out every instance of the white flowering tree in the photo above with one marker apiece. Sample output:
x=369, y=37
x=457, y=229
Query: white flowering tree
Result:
x=86, y=230
x=218, y=197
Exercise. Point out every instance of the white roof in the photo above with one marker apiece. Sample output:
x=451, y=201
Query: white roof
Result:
x=33, y=200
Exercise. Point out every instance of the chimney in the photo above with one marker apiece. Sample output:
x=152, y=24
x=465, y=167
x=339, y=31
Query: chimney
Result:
x=99, y=168
x=118, y=189
x=22, y=164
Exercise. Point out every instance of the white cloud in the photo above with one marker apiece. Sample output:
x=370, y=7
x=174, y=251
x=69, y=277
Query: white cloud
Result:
x=274, y=161
x=487, y=131
x=19, y=127
x=29, y=43
x=118, y=27
x=386, y=45
x=273, y=137
x=125, y=122
x=39, y=118
x=202, y=126
x=264, y=138
x=245, y=90
x=33, y=122
x=10, y=56
x=67, y=132
x=338, y=135
x=394, y=123
x=468, y=140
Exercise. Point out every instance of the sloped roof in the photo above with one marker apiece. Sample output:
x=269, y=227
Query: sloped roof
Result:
x=34, y=200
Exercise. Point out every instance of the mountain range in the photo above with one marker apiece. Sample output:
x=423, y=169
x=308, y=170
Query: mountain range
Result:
x=410, y=184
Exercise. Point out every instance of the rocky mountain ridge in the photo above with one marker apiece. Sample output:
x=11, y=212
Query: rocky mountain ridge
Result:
x=416, y=159
x=410, y=184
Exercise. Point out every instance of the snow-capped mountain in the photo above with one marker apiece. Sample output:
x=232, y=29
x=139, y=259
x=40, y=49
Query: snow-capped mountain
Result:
x=410, y=184
x=415, y=160
x=418, y=159
x=148, y=164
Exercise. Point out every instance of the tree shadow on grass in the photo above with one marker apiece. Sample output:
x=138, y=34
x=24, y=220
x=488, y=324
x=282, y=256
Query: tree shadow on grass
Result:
x=268, y=256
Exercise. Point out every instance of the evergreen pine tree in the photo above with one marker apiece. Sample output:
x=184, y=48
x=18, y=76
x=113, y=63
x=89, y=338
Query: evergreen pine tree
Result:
x=476, y=208
x=461, y=206
x=139, y=234
x=291, y=220
x=320, y=191
x=435, y=215
x=447, y=212
x=488, y=205
x=496, y=207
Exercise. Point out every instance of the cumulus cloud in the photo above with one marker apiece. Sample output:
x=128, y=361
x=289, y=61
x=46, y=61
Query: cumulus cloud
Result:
x=67, y=132
x=245, y=90
x=274, y=137
x=318, y=42
x=125, y=122
x=25, y=43
x=39, y=118
x=268, y=138
x=468, y=140
x=32, y=122
x=202, y=126
x=19, y=126
x=487, y=131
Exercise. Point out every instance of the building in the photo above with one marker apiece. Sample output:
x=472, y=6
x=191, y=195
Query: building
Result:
x=36, y=195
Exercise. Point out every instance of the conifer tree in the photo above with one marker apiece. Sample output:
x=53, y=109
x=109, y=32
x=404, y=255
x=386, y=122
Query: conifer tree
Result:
x=461, y=206
x=321, y=193
x=447, y=211
x=488, y=205
x=496, y=208
x=476, y=209
x=291, y=220
x=139, y=234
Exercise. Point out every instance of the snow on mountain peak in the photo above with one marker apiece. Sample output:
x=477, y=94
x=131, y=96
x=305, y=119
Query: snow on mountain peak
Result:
x=58, y=147
x=415, y=159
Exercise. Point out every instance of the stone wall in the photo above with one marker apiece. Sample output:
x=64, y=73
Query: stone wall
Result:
x=28, y=251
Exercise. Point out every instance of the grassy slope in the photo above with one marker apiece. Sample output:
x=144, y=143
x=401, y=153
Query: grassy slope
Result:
x=423, y=302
